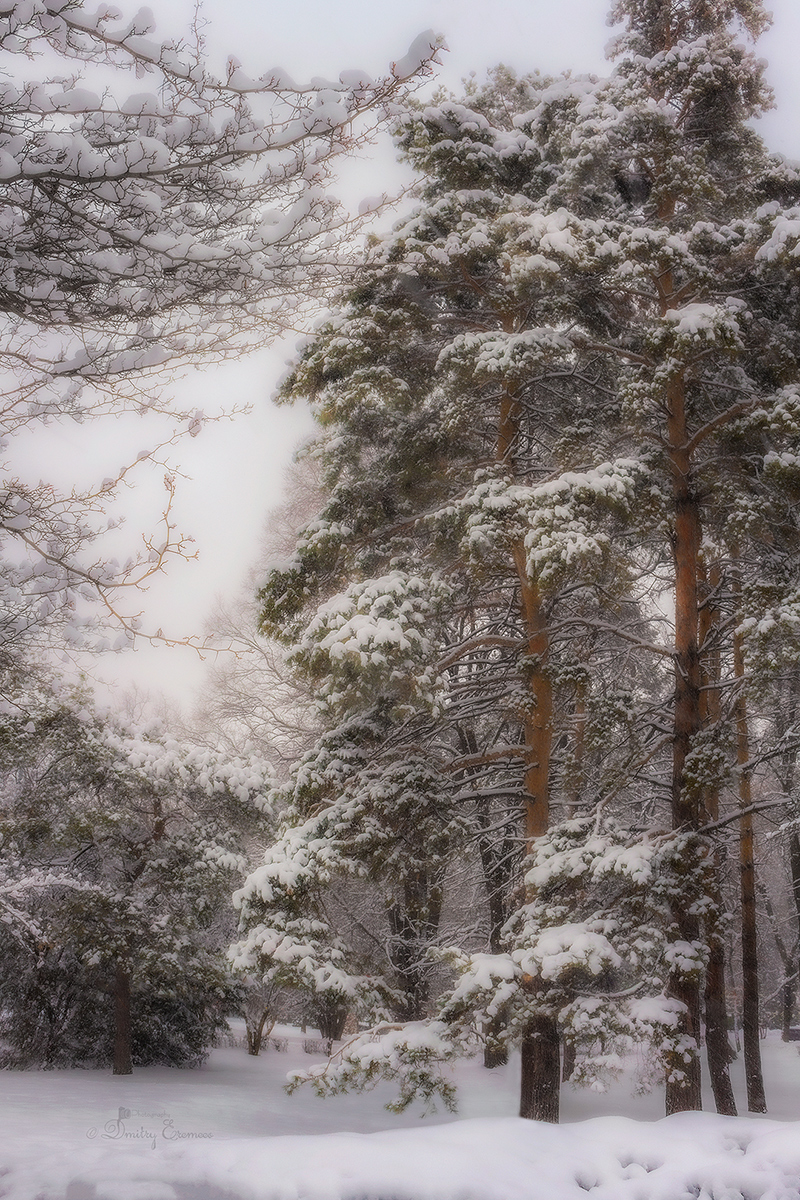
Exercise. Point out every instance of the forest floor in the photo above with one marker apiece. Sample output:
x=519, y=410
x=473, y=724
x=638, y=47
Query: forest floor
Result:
x=228, y=1131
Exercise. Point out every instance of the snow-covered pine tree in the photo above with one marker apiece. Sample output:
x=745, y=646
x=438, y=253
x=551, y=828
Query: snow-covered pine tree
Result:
x=574, y=319
x=463, y=545
x=693, y=258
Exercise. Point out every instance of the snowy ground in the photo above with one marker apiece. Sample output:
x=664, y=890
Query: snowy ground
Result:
x=228, y=1132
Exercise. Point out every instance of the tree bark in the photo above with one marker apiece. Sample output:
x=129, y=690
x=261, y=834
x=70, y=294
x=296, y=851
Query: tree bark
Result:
x=683, y=1085
x=541, y=1065
x=122, y=1021
x=718, y=1049
x=541, y=1060
x=788, y=701
x=756, y=1100
x=719, y=1053
x=794, y=866
x=541, y=1071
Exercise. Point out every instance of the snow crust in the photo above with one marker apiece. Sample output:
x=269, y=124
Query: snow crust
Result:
x=612, y=1158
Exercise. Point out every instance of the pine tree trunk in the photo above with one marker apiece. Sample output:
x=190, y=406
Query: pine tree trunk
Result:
x=683, y=1085
x=122, y=1021
x=786, y=720
x=683, y=1091
x=718, y=1048
x=541, y=1059
x=719, y=1053
x=541, y=1071
x=794, y=865
x=538, y=719
x=756, y=1100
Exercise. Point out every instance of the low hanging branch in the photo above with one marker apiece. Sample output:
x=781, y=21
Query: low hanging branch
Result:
x=143, y=232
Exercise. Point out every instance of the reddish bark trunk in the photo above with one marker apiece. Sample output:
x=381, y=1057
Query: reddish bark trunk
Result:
x=756, y=1099
x=794, y=863
x=683, y=1089
x=719, y=1053
x=541, y=1065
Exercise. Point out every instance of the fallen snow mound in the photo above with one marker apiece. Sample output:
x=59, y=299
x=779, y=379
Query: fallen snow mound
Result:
x=691, y=1156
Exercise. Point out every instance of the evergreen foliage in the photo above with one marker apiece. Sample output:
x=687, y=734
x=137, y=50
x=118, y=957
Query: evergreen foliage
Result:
x=119, y=848
x=565, y=387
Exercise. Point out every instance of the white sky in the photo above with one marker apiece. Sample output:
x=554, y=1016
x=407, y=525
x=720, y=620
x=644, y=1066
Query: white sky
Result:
x=236, y=469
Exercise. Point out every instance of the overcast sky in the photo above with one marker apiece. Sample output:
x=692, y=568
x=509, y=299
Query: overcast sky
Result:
x=236, y=469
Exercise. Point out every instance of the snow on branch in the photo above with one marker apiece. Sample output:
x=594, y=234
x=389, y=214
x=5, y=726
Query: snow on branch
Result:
x=145, y=231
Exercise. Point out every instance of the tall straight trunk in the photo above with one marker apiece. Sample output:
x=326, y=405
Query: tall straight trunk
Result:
x=541, y=1067
x=122, y=1021
x=756, y=1100
x=683, y=1086
x=573, y=788
x=789, y=973
x=786, y=720
x=683, y=1083
x=538, y=718
x=719, y=1054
